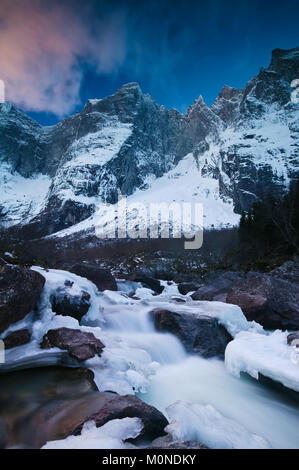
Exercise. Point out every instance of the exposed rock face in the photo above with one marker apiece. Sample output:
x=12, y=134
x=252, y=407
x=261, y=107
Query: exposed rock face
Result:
x=20, y=289
x=242, y=147
x=217, y=289
x=80, y=345
x=269, y=300
x=131, y=406
x=16, y=338
x=102, y=278
x=199, y=334
x=227, y=104
x=67, y=304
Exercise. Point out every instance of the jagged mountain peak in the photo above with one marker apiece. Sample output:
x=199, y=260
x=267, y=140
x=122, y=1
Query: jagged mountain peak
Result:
x=228, y=93
x=243, y=146
x=199, y=103
x=286, y=63
x=227, y=104
x=123, y=103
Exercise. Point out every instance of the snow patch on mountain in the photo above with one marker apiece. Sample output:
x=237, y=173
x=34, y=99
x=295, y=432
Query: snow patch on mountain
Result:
x=21, y=198
x=266, y=141
x=99, y=147
x=182, y=184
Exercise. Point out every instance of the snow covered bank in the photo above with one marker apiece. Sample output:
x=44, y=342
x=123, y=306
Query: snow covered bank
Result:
x=110, y=436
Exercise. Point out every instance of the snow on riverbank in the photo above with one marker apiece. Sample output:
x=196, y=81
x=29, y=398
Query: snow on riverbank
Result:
x=269, y=355
x=109, y=436
x=214, y=404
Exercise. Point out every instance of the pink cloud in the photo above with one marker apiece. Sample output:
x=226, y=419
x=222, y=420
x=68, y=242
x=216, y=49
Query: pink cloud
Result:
x=41, y=42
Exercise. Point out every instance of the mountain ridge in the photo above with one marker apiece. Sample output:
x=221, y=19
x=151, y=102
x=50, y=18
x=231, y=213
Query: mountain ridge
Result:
x=243, y=146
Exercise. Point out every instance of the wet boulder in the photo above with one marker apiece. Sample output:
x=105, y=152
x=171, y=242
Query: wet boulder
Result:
x=166, y=442
x=16, y=338
x=66, y=303
x=102, y=278
x=288, y=271
x=267, y=299
x=147, y=281
x=218, y=288
x=20, y=289
x=199, y=334
x=130, y=406
x=79, y=344
x=293, y=339
x=185, y=287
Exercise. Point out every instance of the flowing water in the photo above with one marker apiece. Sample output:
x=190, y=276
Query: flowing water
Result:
x=240, y=408
x=201, y=399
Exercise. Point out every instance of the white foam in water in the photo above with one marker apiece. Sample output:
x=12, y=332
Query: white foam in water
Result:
x=251, y=406
x=215, y=406
x=205, y=424
x=109, y=436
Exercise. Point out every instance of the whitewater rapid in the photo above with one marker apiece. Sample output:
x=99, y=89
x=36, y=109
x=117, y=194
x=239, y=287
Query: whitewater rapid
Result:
x=203, y=401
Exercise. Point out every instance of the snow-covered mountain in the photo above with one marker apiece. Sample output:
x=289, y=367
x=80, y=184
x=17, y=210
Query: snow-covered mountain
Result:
x=225, y=156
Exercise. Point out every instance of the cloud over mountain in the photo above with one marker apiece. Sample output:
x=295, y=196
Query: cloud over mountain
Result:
x=43, y=45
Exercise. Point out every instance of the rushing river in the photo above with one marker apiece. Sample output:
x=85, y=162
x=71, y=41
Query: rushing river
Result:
x=200, y=397
x=243, y=412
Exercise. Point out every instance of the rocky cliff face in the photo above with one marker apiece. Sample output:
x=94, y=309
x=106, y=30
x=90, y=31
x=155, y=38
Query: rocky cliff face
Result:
x=226, y=156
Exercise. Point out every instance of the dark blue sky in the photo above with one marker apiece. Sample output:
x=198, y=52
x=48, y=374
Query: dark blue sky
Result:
x=178, y=50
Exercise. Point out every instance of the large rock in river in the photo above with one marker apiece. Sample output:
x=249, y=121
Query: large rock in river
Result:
x=185, y=287
x=199, y=334
x=65, y=303
x=17, y=338
x=80, y=345
x=146, y=280
x=268, y=299
x=46, y=404
x=102, y=278
x=20, y=289
x=131, y=406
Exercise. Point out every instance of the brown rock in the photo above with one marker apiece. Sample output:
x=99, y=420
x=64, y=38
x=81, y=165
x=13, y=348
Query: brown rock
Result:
x=269, y=300
x=131, y=406
x=20, y=289
x=16, y=338
x=102, y=278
